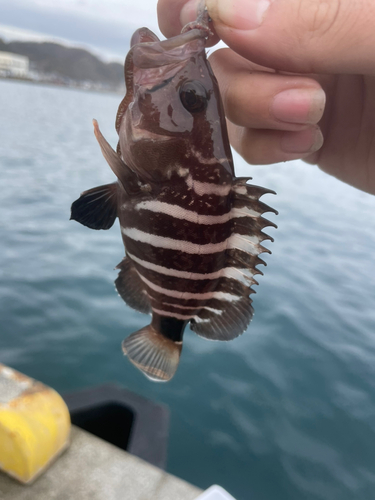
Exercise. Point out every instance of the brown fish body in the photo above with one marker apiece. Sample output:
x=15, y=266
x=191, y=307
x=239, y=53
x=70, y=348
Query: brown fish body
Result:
x=192, y=231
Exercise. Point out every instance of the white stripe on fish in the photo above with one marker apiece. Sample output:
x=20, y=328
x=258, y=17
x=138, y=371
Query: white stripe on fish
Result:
x=202, y=188
x=188, y=295
x=181, y=213
x=246, y=243
x=242, y=275
x=179, y=316
x=211, y=309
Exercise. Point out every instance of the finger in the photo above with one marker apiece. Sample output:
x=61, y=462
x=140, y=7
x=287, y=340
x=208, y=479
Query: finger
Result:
x=169, y=16
x=255, y=97
x=302, y=36
x=273, y=146
x=173, y=15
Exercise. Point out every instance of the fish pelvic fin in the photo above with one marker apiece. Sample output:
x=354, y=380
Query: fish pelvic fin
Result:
x=131, y=288
x=125, y=175
x=154, y=354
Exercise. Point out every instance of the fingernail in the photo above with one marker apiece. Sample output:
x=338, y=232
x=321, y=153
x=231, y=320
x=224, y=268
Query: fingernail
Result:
x=306, y=141
x=299, y=105
x=189, y=12
x=239, y=14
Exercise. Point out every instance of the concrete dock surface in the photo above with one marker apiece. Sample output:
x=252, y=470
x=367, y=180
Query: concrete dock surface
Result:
x=92, y=469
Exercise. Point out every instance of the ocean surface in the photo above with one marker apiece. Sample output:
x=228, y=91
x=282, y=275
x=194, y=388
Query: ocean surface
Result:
x=287, y=410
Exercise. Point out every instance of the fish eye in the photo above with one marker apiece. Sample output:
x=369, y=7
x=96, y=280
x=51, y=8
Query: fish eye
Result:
x=193, y=97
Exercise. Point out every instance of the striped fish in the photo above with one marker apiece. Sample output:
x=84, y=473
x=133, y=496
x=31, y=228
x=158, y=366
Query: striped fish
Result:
x=192, y=231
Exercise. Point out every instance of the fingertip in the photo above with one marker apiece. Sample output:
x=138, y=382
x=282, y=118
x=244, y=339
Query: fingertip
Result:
x=173, y=15
x=334, y=37
x=299, y=105
x=189, y=11
x=168, y=12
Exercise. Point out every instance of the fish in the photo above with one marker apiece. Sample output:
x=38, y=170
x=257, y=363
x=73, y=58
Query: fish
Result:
x=191, y=229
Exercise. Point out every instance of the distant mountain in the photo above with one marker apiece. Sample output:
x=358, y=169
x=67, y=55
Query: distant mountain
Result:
x=67, y=62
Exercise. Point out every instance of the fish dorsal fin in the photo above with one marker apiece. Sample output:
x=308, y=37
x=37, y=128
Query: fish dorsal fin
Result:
x=154, y=354
x=247, y=195
x=233, y=320
x=125, y=175
x=131, y=288
x=97, y=207
x=228, y=318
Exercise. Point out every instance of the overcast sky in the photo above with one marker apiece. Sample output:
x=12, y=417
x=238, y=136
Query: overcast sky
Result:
x=103, y=25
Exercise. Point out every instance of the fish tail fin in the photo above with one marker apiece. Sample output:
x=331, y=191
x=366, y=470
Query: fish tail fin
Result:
x=154, y=354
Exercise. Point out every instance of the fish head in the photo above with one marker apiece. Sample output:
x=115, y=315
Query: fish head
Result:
x=172, y=114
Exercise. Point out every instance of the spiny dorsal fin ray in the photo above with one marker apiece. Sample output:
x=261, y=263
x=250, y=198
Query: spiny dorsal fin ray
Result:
x=239, y=259
x=256, y=205
x=97, y=207
x=241, y=180
x=131, y=288
x=244, y=246
x=240, y=201
x=153, y=353
x=249, y=225
x=247, y=195
x=253, y=190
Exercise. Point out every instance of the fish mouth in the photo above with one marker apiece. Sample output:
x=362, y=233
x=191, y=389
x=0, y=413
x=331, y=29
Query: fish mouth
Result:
x=167, y=52
x=151, y=61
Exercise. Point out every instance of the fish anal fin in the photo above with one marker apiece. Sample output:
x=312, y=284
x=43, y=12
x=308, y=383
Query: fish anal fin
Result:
x=154, y=354
x=97, y=207
x=131, y=288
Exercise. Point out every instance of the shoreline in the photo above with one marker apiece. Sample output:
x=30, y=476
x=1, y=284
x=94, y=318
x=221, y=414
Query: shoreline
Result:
x=74, y=86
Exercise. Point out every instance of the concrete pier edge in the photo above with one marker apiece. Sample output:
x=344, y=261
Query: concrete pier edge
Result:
x=92, y=469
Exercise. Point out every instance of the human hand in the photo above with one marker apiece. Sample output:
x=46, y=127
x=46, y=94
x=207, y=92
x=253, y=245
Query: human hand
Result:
x=284, y=58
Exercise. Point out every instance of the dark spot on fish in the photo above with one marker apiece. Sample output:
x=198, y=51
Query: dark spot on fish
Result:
x=161, y=85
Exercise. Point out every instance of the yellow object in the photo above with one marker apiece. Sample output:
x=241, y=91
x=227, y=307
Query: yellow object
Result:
x=34, y=425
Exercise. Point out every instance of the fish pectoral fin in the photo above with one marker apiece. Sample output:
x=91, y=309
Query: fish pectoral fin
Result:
x=124, y=174
x=154, y=354
x=131, y=288
x=97, y=207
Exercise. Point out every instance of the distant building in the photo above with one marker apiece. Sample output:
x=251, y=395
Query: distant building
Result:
x=13, y=64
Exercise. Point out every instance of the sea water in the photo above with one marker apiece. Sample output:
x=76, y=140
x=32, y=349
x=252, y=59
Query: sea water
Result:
x=287, y=410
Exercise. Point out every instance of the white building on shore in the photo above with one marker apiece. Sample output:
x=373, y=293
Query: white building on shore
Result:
x=13, y=65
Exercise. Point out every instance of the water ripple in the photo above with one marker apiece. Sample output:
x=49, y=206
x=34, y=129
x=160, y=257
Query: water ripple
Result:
x=285, y=411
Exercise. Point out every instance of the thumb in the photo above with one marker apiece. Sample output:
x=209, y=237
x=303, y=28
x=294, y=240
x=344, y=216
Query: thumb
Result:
x=313, y=36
